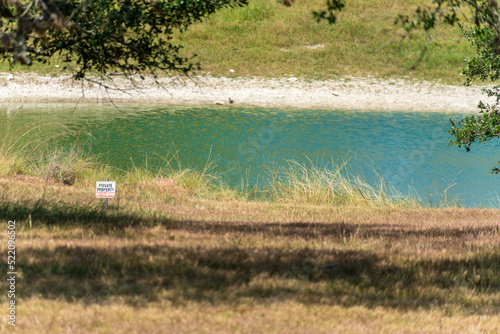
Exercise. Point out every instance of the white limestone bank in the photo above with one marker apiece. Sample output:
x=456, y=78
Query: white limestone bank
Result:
x=345, y=93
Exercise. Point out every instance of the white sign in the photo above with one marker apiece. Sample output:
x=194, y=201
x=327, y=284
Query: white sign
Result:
x=105, y=189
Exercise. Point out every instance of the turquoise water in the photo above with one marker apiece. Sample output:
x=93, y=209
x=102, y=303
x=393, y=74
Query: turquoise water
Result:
x=408, y=149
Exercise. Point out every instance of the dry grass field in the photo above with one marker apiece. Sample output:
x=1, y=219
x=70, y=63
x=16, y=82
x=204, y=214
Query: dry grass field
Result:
x=163, y=259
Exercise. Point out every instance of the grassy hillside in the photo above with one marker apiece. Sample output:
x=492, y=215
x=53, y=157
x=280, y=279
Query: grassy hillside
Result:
x=268, y=39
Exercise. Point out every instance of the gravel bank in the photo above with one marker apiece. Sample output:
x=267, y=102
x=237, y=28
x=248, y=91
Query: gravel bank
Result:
x=346, y=93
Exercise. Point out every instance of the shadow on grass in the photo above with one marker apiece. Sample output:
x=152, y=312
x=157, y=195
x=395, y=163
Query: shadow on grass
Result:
x=145, y=272
x=113, y=219
x=334, y=229
x=68, y=216
x=141, y=273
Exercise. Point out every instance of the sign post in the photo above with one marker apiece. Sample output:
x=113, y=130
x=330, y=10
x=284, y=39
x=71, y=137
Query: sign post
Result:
x=105, y=189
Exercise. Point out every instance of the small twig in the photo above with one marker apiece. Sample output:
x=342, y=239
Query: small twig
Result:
x=28, y=8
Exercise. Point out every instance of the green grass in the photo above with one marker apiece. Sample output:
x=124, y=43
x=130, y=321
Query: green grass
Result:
x=267, y=39
x=270, y=40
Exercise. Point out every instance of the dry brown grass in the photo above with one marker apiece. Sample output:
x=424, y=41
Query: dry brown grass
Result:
x=165, y=261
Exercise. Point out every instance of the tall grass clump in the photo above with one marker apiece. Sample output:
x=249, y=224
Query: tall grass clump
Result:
x=67, y=164
x=332, y=184
x=47, y=150
x=205, y=183
x=14, y=145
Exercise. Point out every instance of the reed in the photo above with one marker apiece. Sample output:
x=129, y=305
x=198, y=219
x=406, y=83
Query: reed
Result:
x=62, y=155
x=46, y=150
x=333, y=184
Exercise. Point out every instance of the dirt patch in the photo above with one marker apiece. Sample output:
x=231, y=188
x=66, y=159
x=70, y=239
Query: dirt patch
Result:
x=164, y=186
x=27, y=179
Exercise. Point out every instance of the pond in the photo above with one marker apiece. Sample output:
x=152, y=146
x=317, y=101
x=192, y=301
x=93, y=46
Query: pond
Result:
x=408, y=149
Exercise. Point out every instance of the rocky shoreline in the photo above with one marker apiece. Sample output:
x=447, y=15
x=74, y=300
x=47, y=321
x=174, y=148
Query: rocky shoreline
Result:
x=345, y=93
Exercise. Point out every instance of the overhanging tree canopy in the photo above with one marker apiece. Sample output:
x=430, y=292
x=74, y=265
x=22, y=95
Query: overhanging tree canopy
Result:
x=103, y=36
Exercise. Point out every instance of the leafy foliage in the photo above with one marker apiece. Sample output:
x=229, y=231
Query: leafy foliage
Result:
x=329, y=14
x=103, y=36
x=481, y=128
